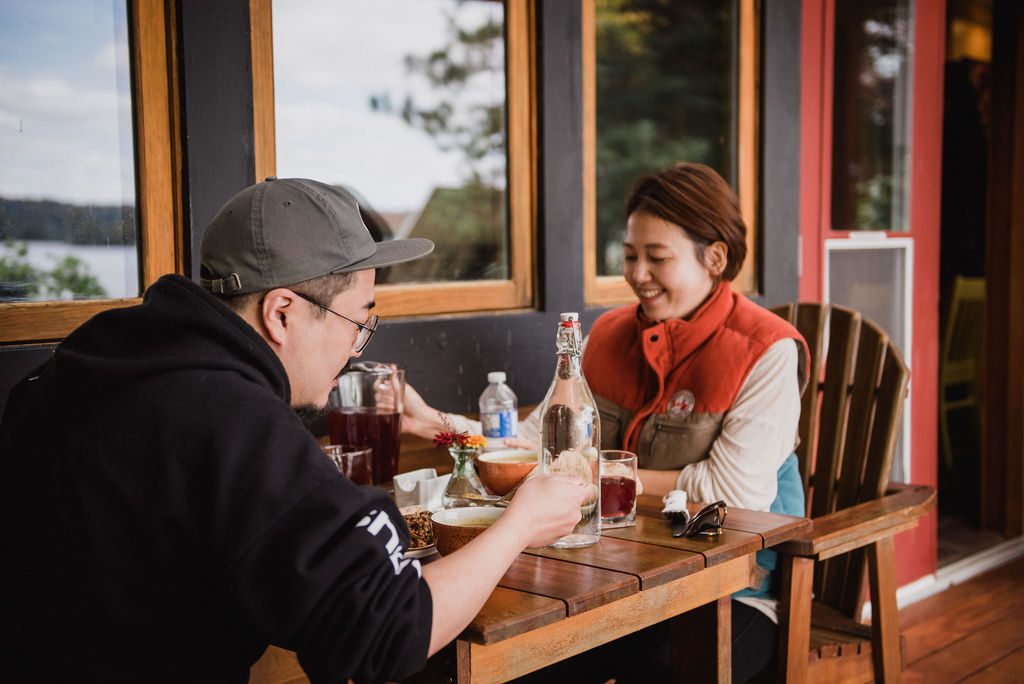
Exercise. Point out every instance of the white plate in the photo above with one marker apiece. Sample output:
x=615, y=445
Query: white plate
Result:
x=421, y=552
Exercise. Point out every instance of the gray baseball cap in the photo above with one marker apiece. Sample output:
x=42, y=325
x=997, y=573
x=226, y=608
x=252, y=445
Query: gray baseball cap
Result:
x=284, y=231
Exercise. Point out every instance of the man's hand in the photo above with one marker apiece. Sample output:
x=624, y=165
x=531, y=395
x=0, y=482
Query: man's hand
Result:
x=545, y=508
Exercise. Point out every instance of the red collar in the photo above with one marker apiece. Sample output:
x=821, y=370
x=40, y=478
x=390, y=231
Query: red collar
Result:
x=686, y=336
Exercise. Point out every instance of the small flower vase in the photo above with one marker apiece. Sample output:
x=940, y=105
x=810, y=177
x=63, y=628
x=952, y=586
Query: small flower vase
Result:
x=464, y=488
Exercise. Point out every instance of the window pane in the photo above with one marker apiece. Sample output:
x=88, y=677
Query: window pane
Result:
x=667, y=85
x=402, y=102
x=874, y=281
x=67, y=173
x=871, y=115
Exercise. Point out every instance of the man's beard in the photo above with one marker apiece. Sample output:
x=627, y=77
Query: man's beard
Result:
x=311, y=412
x=313, y=417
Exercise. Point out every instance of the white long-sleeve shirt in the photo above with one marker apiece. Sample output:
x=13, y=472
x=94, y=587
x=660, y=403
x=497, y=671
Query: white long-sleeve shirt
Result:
x=758, y=433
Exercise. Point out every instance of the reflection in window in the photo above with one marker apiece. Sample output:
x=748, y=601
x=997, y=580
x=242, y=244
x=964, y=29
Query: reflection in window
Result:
x=871, y=115
x=67, y=174
x=666, y=90
x=402, y=102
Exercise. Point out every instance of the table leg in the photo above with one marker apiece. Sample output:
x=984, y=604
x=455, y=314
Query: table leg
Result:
x=885, y=629
x=701, y=646
x=795, y=618
x=463, y=669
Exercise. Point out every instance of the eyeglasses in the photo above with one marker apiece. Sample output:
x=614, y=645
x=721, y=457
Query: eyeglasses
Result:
x=365, y=330
x=708, y=521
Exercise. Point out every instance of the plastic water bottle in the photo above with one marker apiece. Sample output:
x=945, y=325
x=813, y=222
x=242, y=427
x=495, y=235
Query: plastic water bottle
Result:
x=499, y=416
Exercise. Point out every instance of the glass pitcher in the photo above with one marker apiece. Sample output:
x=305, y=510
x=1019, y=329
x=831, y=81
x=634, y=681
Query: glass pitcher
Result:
x=365, y=408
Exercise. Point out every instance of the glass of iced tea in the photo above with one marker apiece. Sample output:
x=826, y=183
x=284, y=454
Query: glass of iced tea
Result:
x=366, y=409
x=618, y=488
x=354, y=462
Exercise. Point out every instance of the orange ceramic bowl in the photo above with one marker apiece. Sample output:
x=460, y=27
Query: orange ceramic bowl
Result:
x=502, y=470
x=456, y=527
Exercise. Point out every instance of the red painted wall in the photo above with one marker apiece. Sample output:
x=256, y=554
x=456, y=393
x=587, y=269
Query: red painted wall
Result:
x=916, y=549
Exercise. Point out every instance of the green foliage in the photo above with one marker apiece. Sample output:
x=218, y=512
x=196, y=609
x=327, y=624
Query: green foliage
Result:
x=68, y=279
x=665, y=92
x=71, y=277
x=468, y=228
x=456, y=122
x=18, y=279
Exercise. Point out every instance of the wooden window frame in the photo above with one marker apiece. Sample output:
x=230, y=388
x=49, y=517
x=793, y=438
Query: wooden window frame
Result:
x=157, y=160
x=456, y=296
x=612, y=290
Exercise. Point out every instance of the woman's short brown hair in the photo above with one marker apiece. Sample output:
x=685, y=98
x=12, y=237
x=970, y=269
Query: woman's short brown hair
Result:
x=698, y=200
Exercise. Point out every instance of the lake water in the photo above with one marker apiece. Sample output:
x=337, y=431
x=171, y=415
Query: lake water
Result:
x=116, y=267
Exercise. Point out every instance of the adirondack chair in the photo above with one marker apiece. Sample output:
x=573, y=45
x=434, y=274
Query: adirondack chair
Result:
x=848, y=429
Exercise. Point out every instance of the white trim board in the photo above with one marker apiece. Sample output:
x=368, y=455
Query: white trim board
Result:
x=954, y=573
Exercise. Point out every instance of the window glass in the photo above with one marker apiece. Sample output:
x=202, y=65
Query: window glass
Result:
x=874, y=280
x=871, y=115
x=403, y=103
x=68, y=227
x=666, y=91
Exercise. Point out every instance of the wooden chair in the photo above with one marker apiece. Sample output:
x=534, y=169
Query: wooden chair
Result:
x=848, y=429
x=959, y=361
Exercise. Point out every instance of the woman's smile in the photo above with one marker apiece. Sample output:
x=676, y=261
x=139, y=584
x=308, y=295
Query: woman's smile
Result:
x=664, y=268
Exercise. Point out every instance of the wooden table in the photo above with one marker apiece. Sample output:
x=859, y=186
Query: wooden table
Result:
x=553, y=604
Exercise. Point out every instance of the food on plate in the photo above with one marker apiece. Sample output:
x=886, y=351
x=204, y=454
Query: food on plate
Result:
x=420, y=530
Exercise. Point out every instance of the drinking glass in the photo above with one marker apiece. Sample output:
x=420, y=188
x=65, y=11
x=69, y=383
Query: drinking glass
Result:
x=354, y=462
x=366, y=409
x=618, y=488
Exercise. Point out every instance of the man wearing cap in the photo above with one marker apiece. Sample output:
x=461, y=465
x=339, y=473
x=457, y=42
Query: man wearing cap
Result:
x=164, y=514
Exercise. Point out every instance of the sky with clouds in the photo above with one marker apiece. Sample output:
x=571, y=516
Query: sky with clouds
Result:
x=65, y=102
x=330, y=58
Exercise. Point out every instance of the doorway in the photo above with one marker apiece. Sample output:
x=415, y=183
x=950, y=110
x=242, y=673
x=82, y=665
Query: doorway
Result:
x=967, y=131
x=979, y=417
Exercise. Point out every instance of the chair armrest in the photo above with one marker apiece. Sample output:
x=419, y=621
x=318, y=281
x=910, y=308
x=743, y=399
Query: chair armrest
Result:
x=860, y=525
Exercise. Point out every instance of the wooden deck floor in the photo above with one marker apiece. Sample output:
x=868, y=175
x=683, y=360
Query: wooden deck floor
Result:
x=972, y=632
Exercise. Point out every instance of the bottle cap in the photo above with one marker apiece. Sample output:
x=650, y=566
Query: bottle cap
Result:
x=496, y=376
x=569, y=316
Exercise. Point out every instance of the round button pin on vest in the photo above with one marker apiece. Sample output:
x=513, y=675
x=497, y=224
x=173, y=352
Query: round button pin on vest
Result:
x=681, y=404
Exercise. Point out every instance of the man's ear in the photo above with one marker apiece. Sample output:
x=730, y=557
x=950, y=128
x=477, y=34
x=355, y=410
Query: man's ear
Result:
x=277, y=307
x=716, y=258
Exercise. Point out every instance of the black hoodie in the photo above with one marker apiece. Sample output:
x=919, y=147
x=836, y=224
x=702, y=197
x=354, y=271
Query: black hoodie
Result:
x=164, y=515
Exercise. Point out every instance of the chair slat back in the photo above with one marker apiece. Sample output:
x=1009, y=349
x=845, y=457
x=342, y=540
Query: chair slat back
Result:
x=849, y=422
x=842, y=577
x=841, y=355
x=966, y=317
x=811, y=324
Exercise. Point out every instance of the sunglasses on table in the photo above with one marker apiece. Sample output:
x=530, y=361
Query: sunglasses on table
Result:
x=707, y=521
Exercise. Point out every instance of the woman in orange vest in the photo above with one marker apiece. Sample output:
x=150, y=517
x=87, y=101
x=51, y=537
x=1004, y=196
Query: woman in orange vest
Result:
x=697, y=380
x=700, y=382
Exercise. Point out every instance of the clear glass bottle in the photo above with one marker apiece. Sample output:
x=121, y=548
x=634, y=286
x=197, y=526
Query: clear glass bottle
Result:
x=570, y=434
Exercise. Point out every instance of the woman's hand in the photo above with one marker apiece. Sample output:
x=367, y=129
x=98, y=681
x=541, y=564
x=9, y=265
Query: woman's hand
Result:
x=419, y=418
